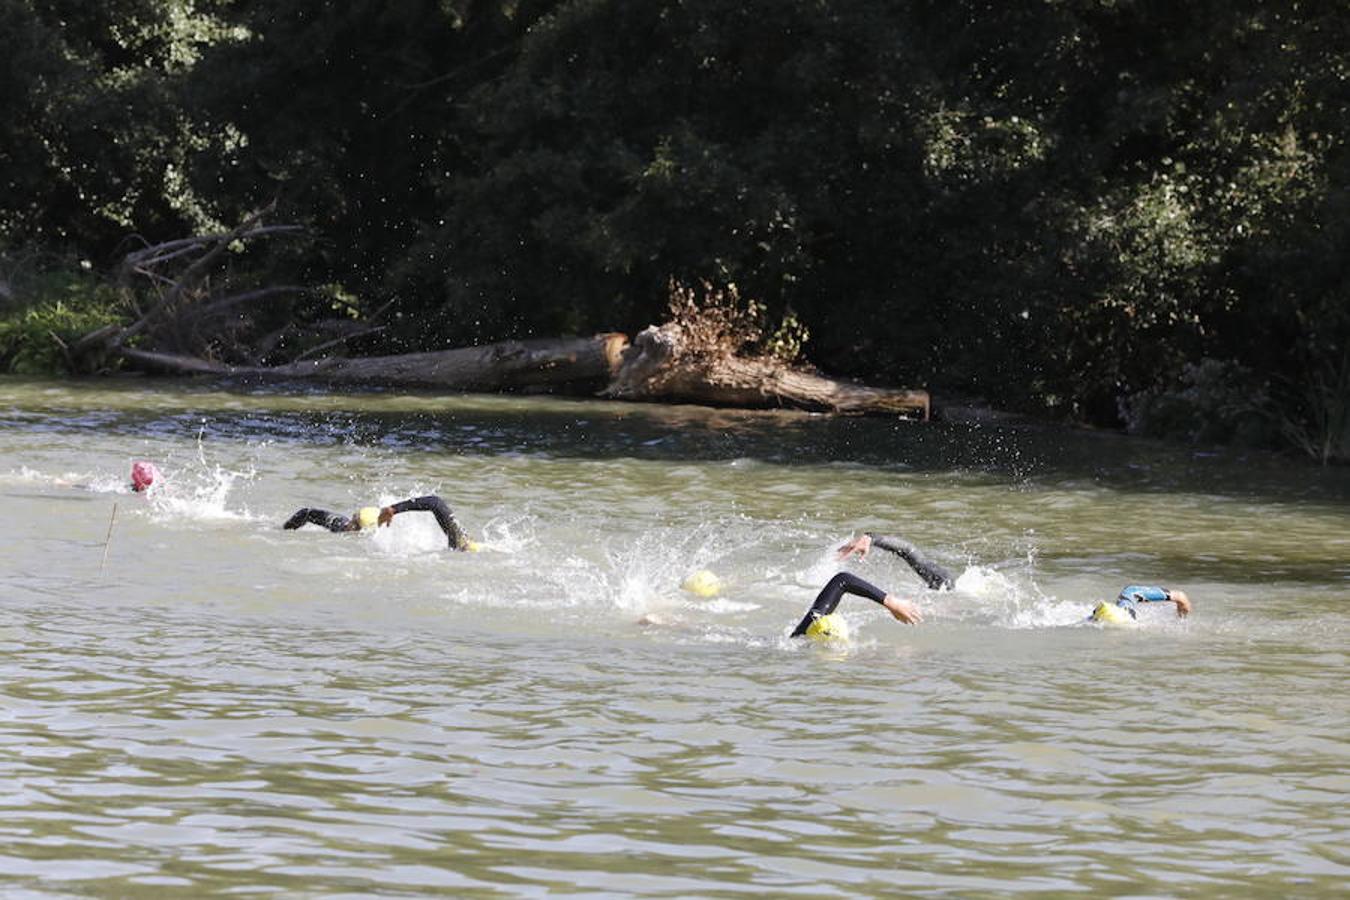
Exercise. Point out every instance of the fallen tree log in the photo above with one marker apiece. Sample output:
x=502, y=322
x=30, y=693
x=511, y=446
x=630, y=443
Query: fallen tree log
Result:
x=659, y=365
x=509, y=365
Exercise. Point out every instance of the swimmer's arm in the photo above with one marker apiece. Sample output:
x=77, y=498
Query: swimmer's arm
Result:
x=1159, y=595
x=861, y=545
x=848, y=583
x=901, y=610
x=1181, y=601
x=455, y=535
x=933, y=575
x=320, y=517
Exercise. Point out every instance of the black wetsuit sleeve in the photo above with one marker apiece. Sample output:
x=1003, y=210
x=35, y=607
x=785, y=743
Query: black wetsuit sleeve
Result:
x=832, y=593
x=444, y=518
x=933, y=575
x=322, y=517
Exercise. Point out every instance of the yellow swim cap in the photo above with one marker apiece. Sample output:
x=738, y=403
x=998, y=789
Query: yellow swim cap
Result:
x=1111, y=614
x=702, y=584
x=828, y=628
x=368, y=517
x=472, y=546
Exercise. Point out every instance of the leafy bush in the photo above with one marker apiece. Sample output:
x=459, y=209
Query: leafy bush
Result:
x=1318, y=422
x=39, y=323
x=1215, y=402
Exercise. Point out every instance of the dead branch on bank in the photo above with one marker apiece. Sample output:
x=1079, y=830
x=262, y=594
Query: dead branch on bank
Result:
x=179, y=272
x=187, y=313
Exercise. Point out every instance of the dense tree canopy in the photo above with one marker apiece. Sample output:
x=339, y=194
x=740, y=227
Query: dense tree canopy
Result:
x=1061, y=206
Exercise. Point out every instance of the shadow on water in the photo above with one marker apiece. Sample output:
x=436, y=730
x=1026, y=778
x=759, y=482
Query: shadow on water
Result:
x=476, y=424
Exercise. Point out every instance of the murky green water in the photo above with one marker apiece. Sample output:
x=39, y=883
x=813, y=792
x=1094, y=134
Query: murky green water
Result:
x=219, y=706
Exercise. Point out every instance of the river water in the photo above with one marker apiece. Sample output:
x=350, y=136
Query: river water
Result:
x=195, y=702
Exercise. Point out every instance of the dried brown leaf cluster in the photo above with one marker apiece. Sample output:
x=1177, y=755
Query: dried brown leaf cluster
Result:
x=717, y=322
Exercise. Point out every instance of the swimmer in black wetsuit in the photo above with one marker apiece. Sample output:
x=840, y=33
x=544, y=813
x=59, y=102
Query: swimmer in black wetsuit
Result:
x=938, y=578
x=819, y=620
x=372, y=516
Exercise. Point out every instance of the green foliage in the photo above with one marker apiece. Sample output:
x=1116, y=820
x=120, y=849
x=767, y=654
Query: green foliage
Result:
x=96, y=141
x=787, y=342
x=56, y=309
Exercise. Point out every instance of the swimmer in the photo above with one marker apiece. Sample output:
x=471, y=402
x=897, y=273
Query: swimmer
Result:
x=820, y=622
x=143, y=476
x=702, y=584
x=1123, y=609
x=374, y=516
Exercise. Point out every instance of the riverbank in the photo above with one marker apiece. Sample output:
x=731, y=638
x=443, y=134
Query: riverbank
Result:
x=69, y=324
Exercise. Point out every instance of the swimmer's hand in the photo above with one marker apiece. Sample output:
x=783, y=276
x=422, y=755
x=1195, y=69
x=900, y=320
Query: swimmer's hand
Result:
x=1182, y=602
x=859, y=545
x=904, y=610
x=386, y=515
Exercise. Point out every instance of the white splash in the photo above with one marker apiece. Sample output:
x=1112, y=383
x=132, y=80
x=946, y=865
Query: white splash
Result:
x=196, y=494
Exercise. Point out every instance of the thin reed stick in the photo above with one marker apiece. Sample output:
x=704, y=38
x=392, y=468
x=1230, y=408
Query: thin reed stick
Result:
x=108, y=540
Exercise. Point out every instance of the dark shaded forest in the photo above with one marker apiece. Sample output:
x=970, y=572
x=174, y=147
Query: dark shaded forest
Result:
x=1126, y=213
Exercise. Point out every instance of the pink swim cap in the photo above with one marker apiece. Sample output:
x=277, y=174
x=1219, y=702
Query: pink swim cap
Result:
x=143, y=474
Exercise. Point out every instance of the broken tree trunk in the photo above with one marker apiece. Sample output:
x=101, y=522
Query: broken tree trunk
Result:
x=659, y=366
x=504, y=366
